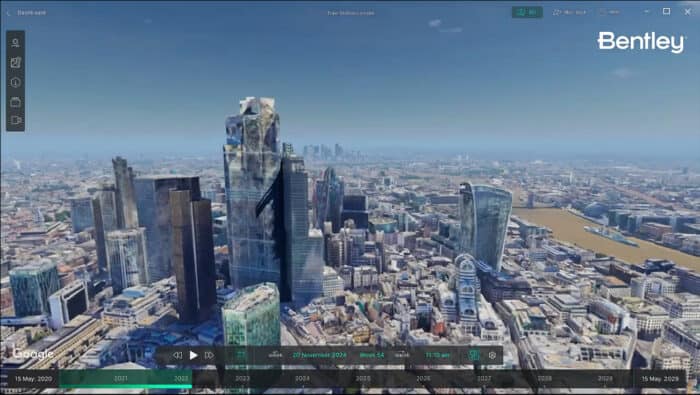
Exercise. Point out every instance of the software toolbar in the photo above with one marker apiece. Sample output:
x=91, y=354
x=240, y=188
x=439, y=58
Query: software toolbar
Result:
x=324, y=356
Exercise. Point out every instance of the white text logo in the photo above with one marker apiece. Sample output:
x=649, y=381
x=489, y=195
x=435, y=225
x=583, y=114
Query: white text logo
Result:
x=648, y=41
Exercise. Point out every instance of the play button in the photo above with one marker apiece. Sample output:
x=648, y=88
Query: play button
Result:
x=193, y=355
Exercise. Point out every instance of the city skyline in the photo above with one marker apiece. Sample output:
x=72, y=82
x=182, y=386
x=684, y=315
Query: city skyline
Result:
x=403, y=196
x=482, y=81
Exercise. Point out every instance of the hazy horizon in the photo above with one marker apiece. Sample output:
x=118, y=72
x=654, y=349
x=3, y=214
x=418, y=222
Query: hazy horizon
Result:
x=122, y=78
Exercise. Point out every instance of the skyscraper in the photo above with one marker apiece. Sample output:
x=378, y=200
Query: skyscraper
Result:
x=251, y=164
x=104, y=210
x=81, y=213
x=252, y=317
x=193, y=255
x=296, y=220
x=127, y=216
x=31, y=287
x=154, y=214
x=107, y=195
x=467, y=291
x=307, y=279
x=328, y=200
x=484, y=213
x=300, y=272
x=126, y=258
x=355, y=207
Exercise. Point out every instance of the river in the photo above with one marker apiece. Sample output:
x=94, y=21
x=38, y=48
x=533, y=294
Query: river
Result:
x=569, y=227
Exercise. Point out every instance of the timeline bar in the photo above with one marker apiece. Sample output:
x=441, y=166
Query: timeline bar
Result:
x=222, y=377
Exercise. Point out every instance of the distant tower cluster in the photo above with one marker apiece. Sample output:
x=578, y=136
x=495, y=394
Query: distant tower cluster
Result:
x=484, y=214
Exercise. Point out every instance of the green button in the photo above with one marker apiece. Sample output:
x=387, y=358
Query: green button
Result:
x=527, y=12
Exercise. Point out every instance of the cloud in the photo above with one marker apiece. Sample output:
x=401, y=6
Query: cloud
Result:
x=434, y=23
x=451, y=30
x=623, y=73
x=437, y=23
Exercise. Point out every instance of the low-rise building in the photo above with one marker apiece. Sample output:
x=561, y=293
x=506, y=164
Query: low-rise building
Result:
x=140, y=306
x=682, y=305
x=685, y=333
x=668, y=356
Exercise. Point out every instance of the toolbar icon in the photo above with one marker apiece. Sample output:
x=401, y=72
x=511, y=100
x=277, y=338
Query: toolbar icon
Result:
x=16, y=62
x=666, y=10
x=15, y=82
x=15, y=102
x=16, y=120
x=15, y=43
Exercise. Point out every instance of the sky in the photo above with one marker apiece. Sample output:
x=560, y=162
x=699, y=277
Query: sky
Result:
x=139, y=77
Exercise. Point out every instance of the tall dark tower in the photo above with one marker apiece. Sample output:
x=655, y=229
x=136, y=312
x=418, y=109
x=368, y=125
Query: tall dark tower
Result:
x=105, y=217
x=153, y=205
x=328, y=200
x=127, y=216
x=193, y=255
x=301, y=266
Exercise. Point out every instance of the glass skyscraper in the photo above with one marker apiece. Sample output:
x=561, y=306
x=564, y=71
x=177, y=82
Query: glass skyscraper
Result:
x=126, y=258
x=303, y=261
x=307, y=278
x=127, y=216
x=31, y=287
x=252, y=317
x=356, y=208
x=251, y=164
x=328, y=200
x=104, y=210
x=81, y=214
x=154, y=214
x=484, y=212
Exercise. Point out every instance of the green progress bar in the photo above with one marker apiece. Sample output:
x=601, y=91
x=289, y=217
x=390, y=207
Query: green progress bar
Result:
x=118, y=386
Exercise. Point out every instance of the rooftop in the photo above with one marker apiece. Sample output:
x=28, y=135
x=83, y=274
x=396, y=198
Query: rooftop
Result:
x=252, y=296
